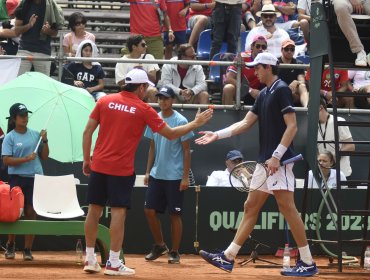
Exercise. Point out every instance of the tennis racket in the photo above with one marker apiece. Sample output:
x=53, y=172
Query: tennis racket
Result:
x=241, y=175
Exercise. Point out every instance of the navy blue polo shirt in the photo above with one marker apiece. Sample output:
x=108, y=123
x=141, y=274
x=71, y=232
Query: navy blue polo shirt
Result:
x=270, y=106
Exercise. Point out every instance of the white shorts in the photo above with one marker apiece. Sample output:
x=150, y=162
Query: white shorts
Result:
x=283, y=179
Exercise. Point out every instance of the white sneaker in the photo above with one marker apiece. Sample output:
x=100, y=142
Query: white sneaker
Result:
x=92, y=267
x=120, y=270
x=361, y=59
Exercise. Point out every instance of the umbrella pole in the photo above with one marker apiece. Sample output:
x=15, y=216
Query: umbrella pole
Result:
x=45, y=126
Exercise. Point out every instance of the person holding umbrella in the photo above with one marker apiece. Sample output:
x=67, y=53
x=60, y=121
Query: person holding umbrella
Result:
x=122, y=119
x=23, y=163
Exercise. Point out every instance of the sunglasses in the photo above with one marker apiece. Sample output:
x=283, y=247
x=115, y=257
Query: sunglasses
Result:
x=79, y=23
x=289, y=49
x=143, y=45
x=268, y=15
x=258, y=46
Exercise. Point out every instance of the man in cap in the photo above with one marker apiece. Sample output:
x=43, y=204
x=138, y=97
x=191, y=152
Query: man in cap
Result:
x=121, y=118
x=220, y=178
x=295, y=78
x=167, y=177
x=250, y=85
x=274, y=35
x=274, y=111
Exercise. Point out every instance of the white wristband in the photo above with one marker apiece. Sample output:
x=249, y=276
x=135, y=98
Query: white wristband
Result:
x=279, y=151
x=224, y=133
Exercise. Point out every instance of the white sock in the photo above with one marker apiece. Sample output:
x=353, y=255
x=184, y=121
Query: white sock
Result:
x=305, y=254
x=90, y=254
x=114, y=258
x=231, y=251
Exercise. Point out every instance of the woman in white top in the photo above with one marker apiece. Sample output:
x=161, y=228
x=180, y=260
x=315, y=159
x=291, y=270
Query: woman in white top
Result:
x=326, y=161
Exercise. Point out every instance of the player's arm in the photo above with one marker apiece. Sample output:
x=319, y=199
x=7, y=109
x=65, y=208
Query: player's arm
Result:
x=150, y=162
x=201, y=118
x=239, y=127
x=86, y=144
x=186, y=162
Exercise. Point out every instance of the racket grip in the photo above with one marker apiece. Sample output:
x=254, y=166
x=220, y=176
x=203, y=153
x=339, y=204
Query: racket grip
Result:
x=293, y=159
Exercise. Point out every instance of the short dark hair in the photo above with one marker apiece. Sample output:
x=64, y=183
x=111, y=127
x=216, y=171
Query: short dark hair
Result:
x=323, y=102
x=133, y=40
x=75, y=17
x=182, y=50
x=131, y=87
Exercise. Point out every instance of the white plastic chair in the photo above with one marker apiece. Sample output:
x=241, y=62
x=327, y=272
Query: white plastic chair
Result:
x=56, y=197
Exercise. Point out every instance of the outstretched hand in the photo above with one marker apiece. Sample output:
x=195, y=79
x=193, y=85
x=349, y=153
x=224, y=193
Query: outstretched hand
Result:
x=202, y=118
x=208, y=137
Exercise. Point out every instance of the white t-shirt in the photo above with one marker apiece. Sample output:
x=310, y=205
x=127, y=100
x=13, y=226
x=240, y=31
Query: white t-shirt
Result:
x=273, y=41
x=219, y=178
x=327, y=133
x=360, y=78
x=332, y=180
x=123, y=68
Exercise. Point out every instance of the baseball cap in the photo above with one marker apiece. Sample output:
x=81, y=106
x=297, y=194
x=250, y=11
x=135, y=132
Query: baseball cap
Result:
x=234, y=154
x=263, y=58
x=268, y=9
x=11, y=5
x=287, y=42
x=17, y=109
x=166, y=91
x=258, y=37
x=137, y=76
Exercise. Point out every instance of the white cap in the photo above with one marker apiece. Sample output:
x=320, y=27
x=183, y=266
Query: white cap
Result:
x=137, y=76
x=263, y=58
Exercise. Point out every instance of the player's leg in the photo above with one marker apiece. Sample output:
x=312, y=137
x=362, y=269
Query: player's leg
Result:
x=155, y=201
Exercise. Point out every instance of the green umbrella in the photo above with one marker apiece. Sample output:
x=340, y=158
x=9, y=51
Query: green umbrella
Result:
x=61, y=109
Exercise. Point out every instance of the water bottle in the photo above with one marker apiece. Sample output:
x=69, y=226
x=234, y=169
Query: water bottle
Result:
x=286, y=257
x=367, y=258
x=79, y=252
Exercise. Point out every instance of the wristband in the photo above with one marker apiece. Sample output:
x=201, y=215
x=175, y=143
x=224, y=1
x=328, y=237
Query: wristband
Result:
x=279, y=151
x=224, y=133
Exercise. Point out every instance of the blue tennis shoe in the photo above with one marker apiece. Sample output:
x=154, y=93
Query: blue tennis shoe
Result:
x=218, y=260
x=301, y=269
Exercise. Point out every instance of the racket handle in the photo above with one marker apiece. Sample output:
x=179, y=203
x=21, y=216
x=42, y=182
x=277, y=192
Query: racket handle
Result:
x=293, y=159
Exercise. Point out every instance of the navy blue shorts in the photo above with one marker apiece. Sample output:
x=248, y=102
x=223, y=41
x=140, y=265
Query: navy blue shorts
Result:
x=26, y=184
x=109, y=190
x=164, y=193
x=180, y=38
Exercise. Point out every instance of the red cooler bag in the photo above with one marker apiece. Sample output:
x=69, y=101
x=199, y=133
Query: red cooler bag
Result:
x=11, y=203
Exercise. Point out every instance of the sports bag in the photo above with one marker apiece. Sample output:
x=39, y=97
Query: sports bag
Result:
x=11, y=203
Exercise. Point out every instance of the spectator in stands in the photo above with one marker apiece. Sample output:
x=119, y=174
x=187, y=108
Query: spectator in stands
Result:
x=274, y=35
x=220, y=178
x=7, y=30
x=326, y=162
x=176, y=11
x=250, y=85
x=88, y=75
x=199, y=18
x=326, y=133
x=247, y=17
x=37, y=21
x=289, y=17
x=187, y=81
x=304, y=10
x=137, y=46
x=146, y=19
x=226, y=21
x=295, y=78
x=343, y=10
x=71, y=40
x=341, y=84
x=361, y=85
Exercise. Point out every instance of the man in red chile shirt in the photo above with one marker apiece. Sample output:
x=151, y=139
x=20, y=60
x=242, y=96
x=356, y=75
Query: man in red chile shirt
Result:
x=121, y=118
x=250, y=86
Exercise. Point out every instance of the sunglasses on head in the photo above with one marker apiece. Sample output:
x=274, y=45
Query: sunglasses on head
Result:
x=268, y=15
x=287, y=49
x=259, y=46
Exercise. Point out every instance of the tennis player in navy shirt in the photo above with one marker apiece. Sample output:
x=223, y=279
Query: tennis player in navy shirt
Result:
x=277, y=123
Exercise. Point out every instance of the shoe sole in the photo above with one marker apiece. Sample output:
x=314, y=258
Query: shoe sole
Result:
x=210, y=262
x=173, y=262
x=152, y=259
x=10, y=257
x=91, y=270
x=301, y=275
x=117, y=273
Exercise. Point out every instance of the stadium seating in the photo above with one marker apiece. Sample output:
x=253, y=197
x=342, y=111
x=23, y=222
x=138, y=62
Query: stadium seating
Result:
x=204, y=45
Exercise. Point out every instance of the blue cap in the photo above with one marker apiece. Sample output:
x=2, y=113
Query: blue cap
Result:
x=234, y=154
x=166, y=91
